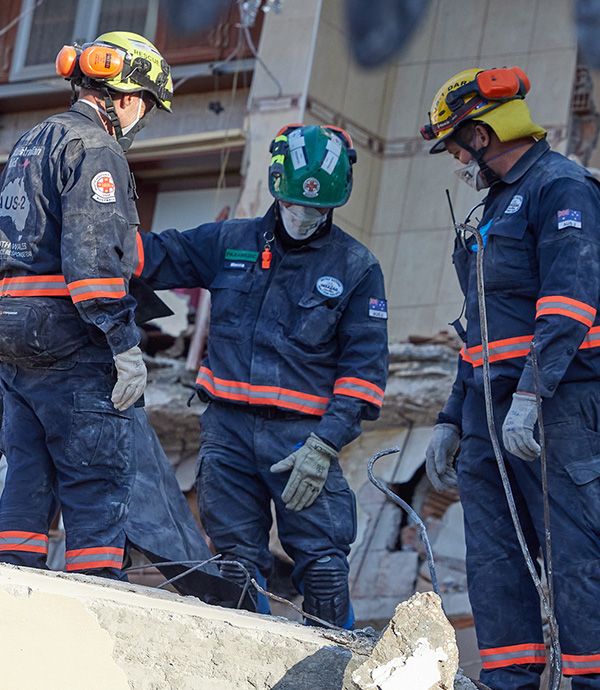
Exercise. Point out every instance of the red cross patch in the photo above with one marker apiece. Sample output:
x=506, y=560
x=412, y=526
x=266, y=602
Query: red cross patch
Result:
x=104, y=188
x=311, y=187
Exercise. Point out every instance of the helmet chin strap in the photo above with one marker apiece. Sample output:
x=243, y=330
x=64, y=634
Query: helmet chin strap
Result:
x=123, y=140
x=488, y=175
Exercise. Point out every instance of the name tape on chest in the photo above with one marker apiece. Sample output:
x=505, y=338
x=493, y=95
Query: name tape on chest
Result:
x=243, y=255
x=568, y=218
x=378, y=308
x=103, y=188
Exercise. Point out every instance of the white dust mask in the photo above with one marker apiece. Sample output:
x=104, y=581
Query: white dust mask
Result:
x=471, y=175
x=301, y=222
x=135, y=120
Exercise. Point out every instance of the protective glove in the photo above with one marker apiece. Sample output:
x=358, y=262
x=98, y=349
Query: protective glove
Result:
x=440, y=454
x=131, y=378
x=309, y=465
x=517, y=430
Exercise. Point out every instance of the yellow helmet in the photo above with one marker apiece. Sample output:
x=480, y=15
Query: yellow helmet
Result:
x=122, y=61
x=493, y=96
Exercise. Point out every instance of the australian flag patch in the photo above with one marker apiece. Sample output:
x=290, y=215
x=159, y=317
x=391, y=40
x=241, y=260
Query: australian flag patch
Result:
x=568, y=218
x=378, y=308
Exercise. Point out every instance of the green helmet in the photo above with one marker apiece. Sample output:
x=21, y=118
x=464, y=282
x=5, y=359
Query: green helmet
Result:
x=312, y=166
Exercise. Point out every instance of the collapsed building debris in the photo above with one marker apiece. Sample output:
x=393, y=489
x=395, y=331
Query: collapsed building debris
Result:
x=127, y=637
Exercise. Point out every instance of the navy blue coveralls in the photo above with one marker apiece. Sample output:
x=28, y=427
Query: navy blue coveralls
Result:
x=297, y=348
x=67, y=251
x=542, y=280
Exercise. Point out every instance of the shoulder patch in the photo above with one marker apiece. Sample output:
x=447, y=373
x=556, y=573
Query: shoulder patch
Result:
x=378, y=308
x=515, y=204
x=104, y=188
x=568, y=218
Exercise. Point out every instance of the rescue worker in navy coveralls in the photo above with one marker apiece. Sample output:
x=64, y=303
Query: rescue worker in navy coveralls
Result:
x=541, y=228
x=297, y=357
x=70, y=365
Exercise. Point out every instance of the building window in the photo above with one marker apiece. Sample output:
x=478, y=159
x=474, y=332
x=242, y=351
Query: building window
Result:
x=46, y=27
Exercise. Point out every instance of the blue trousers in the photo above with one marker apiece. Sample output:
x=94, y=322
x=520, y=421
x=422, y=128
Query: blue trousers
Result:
x=504, y=600
x=235, y=490
x=62, y=433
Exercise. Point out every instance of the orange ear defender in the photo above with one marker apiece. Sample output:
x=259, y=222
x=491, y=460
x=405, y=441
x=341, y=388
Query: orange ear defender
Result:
x=100, y=62
x=94, y=61
x=66, y=61
x=500, y=84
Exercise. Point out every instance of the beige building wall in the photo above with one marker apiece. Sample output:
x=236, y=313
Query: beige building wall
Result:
x=398, y=206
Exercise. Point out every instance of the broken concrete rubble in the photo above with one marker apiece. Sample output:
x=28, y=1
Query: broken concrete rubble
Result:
x=59, y=629
x=417, y=650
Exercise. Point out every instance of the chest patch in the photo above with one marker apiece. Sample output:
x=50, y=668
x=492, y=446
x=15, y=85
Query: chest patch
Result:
x=378, y=308
x=329, y=286
x=104, y=188
x=242, y=255
x=515, y=204
x=568, y=218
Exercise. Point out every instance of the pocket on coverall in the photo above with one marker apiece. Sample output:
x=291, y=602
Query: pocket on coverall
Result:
x=317, y=320
x=100, y=435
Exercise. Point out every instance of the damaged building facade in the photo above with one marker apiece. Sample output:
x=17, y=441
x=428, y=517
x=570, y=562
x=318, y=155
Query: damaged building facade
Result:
x=233, y=92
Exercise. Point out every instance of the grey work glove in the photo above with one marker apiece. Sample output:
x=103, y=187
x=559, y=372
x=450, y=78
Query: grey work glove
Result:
x=131, y=378
x=440, y=454
x=309, y=465
x=517, y=430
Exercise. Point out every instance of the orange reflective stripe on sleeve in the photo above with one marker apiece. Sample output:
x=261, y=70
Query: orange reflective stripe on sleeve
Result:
x=94, y=288
x=565, y=306
x=240, y=391
x=580, y=664
x=359, y=388
x=95, y=557
x=592, y=338
x=498, y=657
x=139, y=246
x=18, y=540
x=34, y=286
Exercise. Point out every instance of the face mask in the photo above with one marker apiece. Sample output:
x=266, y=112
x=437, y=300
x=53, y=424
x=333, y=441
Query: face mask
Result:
x=136, y=120
x=301, y=222
x=478, y=178
x=471, y=174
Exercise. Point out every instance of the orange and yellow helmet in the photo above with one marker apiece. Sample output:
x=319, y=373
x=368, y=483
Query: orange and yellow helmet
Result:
x=493, y=96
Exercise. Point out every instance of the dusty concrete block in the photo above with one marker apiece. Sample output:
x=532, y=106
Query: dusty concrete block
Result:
x=417, y=650
x=66, y=632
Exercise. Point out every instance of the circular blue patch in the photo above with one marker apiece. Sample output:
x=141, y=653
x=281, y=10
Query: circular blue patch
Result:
x=330, y=286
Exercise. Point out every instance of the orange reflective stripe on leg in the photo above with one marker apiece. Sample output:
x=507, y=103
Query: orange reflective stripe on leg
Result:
x=18, y=540
x=498, y=657
x=580, y=664
x=94, y=557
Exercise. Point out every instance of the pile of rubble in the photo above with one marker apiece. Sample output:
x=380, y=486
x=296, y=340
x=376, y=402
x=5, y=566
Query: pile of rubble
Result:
x=127, y=637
